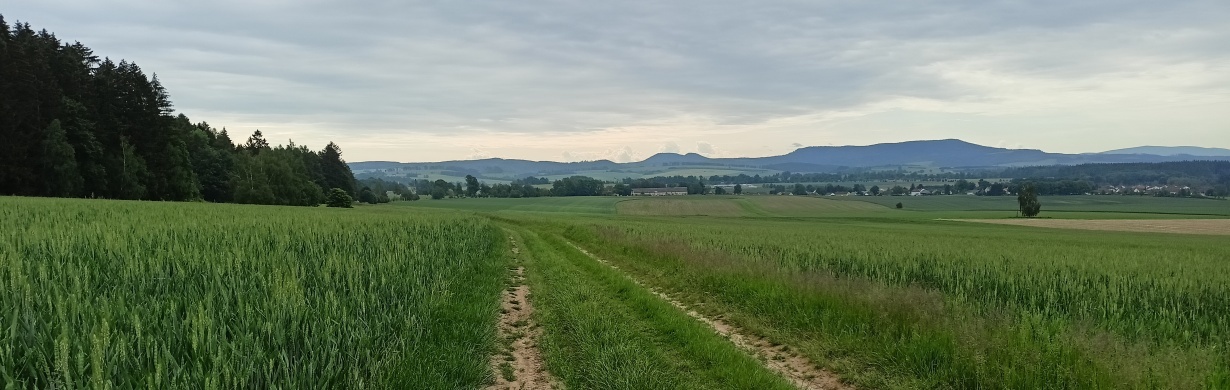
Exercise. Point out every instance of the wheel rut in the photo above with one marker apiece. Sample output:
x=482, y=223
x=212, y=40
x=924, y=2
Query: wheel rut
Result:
x=796, y=368
x=519, y=365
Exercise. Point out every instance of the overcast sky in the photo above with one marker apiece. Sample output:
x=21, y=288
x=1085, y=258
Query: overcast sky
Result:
x=622, y=80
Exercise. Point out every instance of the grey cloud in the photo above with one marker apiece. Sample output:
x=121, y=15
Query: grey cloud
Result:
x=704, y=148
x=554, y=66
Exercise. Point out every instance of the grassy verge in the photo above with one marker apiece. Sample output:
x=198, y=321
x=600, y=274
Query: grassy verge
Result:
x=920, y=305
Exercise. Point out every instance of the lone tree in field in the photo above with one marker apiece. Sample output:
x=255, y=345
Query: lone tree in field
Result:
x=899, y=205
x=738, y=189
x=339, y=198
x=472, y=186
x=1028, y=199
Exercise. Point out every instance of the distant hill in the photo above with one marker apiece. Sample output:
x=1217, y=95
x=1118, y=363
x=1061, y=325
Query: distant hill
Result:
x=1173, y=151
x=950, y=154
x=675, y=158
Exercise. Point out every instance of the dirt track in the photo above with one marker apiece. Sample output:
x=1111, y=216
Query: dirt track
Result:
x=1182, y=226
x=520, y=366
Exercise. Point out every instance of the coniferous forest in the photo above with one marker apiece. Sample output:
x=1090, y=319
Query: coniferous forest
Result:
x=73, y=124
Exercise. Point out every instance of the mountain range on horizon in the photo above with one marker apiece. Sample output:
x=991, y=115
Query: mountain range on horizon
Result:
x=949, y=154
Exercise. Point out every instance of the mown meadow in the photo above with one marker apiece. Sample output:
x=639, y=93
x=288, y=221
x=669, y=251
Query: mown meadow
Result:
x=115, y=294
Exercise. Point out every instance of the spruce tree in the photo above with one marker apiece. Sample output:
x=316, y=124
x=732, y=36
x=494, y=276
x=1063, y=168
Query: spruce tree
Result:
x=256, y=143
x=336, y=173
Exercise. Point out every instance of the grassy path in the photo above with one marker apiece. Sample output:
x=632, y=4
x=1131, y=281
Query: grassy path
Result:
x=796, y=368
x=603, y=331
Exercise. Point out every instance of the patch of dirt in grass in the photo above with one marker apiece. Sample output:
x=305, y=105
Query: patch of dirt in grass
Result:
x=783, y=360
x=519, y=365
x=1182, y=226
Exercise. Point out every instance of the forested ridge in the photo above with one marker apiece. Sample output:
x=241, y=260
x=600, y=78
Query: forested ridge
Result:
x=76, y=125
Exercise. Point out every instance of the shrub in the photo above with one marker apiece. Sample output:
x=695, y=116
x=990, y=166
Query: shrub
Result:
x=899, y=205
x=339, y=198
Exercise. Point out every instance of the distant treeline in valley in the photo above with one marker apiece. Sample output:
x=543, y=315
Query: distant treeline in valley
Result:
x=75, y=125
x=1184, y=173
x=1204, y=177
x=1182, y=179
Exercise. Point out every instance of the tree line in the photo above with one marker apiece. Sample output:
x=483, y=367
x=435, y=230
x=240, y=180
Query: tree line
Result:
x=76, y=125
x=1211, y=178
x=796, y=177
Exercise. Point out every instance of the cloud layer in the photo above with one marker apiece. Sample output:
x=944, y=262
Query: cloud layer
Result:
x=564, y=80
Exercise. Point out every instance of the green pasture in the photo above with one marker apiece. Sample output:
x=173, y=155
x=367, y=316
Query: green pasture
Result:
x=571, y=205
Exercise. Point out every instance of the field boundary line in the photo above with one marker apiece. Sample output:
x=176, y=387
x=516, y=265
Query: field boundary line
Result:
x=797, y=369
x=520, y=364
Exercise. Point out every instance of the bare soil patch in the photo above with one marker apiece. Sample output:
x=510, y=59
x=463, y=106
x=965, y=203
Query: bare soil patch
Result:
x=798, y=369
x=520, y=364
x=1182, y=226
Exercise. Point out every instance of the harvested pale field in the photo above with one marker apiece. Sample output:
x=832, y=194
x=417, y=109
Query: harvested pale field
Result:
x=1183, y=226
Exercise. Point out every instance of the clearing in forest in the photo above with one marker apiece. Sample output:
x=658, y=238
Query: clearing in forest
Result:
x=1182, y=226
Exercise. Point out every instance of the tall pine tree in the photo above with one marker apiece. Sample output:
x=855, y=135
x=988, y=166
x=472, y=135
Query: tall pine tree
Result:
x=337, y=173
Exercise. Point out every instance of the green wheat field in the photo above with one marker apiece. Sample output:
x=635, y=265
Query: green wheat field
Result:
x=124, y=294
